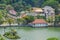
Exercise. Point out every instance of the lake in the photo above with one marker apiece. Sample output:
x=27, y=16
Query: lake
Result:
x=28, y=33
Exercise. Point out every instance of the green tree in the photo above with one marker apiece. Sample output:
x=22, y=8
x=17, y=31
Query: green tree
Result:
x=29, y=19
x=40, y=17
x=9, y=7
x=10, y=21
x=57, y=19
x=1, y=37
x=20, y=21
x=1, y=18
x=2, y=6
x=52, y=3
x=4, y=13
x=50, y=19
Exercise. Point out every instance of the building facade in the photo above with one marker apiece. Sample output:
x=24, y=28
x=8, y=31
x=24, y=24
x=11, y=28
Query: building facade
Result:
x=39, y=23
x=49, y=12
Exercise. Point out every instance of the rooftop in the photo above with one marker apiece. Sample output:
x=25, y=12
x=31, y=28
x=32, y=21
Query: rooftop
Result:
x=38, y=21
x=34, y=9
x=12, y=12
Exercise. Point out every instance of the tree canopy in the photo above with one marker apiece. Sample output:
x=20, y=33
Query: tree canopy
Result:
x=20, y=5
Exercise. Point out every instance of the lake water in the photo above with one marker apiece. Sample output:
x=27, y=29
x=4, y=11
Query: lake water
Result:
x=27, y=33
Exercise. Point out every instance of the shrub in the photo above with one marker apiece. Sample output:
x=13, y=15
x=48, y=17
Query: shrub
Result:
x=11, y=34
x=1, y=38
x=52, y=39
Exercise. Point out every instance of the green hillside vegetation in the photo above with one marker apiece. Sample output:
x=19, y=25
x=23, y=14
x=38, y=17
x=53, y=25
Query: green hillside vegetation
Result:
x=20, y=5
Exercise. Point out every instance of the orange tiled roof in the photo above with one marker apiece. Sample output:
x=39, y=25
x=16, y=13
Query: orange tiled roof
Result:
x=38, y=21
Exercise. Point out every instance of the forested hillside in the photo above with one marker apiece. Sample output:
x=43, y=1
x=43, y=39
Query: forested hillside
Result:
x=20, y=5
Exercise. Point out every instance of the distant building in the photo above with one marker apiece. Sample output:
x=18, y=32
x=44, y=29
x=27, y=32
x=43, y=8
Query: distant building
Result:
x=49, y=12
x=13, y=12
x=37, y=10
x=39, y=23
x=34, y=12
x=23, y=15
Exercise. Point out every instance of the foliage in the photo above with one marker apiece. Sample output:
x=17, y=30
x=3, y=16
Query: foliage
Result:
x=52, y=39
x=2, y=6
x=40, y=17
x=20, y=20
x=20, y=5
x=29, y=19
x=57, y=18
x=52, y=3
x=50, y=19
x=1, y=38
x=1, y=17
x=10, y=20
x=11, y=34
x=9, y=7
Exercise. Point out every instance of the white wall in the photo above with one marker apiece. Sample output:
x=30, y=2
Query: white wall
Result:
x=39, y=25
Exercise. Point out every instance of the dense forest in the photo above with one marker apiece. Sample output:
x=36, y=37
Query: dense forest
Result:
x=20, y=5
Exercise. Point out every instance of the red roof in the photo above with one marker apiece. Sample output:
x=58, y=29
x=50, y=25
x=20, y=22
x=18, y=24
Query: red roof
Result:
x=39, y=21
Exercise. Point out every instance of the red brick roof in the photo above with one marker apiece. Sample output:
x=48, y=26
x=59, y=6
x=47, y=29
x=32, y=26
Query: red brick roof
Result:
x=39, y=21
